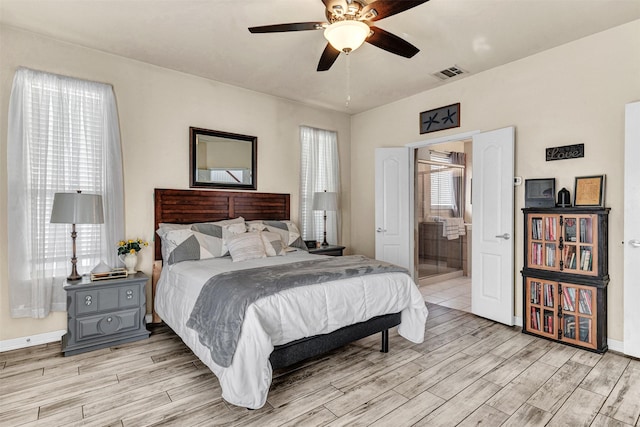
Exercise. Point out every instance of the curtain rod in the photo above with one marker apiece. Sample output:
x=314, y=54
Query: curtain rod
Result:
x=440, y=152
x=431, y=162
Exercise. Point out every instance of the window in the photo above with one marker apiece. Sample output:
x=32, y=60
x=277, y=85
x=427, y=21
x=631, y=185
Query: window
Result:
x=441, y=181
x=63, y=137
x=319, y=171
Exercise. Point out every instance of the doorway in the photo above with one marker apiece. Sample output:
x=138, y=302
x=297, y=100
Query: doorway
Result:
x=443, y=214
x=492, y=285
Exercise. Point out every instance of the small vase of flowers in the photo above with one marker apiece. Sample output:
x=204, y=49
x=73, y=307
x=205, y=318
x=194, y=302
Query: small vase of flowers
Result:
x=128, y=253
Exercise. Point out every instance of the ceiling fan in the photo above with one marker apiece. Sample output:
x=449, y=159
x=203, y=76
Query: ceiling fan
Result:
x=349, y=25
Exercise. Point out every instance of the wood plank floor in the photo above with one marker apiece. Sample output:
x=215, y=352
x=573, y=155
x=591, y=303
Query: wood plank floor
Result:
x=469, y=371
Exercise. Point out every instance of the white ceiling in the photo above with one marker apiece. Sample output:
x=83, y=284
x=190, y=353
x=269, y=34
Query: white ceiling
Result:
x=209, y=38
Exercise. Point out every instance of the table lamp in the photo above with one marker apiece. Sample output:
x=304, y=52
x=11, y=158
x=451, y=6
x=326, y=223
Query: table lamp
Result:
x=325, y=201
x=76, y=208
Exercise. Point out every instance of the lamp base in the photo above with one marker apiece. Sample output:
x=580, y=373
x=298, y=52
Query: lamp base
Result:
x=74, y=271
x=325, y=243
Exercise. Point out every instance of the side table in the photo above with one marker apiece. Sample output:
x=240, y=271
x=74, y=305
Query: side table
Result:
x=333, y=250
x=104, y=313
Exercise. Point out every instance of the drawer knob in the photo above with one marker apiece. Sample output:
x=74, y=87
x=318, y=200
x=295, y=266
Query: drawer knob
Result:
x=87, y=300
x=109, y=319
x=129, y=294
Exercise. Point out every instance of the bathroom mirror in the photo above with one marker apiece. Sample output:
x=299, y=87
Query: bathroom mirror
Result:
x=221, y=159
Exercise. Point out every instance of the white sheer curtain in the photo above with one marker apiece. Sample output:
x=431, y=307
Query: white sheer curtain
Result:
x=319, y=171
x=63, y=136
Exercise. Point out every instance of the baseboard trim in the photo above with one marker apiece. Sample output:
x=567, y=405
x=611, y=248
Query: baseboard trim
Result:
x=46, y=338
x=517, y=321
x=30, y=341
x=615, y=345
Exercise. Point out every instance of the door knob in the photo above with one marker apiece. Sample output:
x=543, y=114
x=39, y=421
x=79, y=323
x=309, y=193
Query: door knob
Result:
x=505, y=236
x=379, y=230
x=635, y=243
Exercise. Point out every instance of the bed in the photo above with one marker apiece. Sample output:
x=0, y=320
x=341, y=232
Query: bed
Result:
x=262, y=347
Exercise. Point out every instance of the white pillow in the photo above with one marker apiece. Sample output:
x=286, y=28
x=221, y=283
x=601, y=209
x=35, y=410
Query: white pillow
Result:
x=165, y=227
x=288, y=231
x=185, y=244
x=220, y=230
x=246, y=246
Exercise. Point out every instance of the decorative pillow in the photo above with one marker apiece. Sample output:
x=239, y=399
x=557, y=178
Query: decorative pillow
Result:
x=221, y=231
x=185, y=245
x=165, y=227
x=255, y=226
x=273, y=245
x=288, y=232
x=246, y=246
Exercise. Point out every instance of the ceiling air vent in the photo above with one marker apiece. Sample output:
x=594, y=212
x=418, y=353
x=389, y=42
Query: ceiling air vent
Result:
x=449, y=73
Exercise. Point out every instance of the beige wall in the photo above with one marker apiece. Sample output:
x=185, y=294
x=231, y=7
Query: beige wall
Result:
x=156, y=107
x=568, y=95
x=572, y=94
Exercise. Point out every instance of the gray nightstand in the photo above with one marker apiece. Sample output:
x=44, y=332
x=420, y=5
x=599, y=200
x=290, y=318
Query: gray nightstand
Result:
x=104, y=313
x=333, y=250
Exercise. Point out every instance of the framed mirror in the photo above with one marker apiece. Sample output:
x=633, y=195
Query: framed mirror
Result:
x=222, y=160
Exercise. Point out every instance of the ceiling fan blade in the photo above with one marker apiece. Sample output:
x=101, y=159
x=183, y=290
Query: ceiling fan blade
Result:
x=296, y=26
x=336, y=7
x=329, y=56
x=383, y=8
x=391, y=43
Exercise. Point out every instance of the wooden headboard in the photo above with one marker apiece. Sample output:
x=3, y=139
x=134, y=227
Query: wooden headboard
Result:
x=191, y=206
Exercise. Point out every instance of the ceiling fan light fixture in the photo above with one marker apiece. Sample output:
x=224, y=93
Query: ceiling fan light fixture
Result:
x=346, y=36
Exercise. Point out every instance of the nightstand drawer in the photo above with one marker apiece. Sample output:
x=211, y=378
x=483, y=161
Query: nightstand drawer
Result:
x=98, y=300
x=108, y=324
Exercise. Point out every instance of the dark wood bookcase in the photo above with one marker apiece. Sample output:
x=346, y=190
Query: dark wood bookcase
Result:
x=565, y=275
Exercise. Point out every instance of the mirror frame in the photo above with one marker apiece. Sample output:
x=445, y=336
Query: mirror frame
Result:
x=194, y=132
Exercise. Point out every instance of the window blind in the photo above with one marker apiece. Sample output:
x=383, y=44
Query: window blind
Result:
x=319, y=171
x=65, y=154
x=441, y=181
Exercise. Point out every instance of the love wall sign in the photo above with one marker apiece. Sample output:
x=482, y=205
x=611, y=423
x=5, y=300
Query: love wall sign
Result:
x=565, y=152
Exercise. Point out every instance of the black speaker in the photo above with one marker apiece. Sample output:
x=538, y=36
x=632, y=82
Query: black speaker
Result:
x=564, y=198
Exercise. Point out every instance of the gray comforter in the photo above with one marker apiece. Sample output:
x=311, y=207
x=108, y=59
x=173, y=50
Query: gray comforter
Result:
x=220, y=308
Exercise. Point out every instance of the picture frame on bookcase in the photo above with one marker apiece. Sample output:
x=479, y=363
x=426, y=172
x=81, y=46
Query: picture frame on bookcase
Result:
x=540, y=193
x=589, y=191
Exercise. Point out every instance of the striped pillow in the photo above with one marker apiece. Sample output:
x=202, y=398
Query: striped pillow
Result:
x=246, y=246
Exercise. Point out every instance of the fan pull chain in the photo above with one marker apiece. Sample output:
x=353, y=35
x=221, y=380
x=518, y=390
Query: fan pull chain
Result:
x=348, y=81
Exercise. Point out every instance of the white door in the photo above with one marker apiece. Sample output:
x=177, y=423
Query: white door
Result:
x=632, y=230
x=392, y=220
x=492, y=235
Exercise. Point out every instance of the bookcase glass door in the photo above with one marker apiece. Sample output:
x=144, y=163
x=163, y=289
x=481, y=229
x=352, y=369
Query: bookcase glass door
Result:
x=566, y=275
x=578, y=314
x=541, y=312
x=579, y=244
x=544, y=241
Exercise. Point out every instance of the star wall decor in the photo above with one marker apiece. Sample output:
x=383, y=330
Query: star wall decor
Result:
x=440, y=118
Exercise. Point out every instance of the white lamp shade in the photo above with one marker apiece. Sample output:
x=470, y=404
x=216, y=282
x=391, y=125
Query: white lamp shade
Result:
x=346, y=36
x=77, y=208
x=325, y=201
